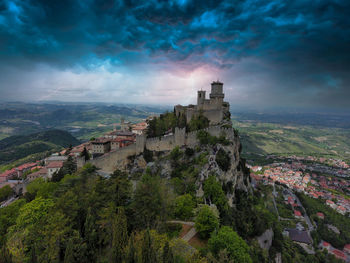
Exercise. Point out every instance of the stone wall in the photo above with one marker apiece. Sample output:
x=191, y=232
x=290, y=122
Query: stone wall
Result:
x=118, y=158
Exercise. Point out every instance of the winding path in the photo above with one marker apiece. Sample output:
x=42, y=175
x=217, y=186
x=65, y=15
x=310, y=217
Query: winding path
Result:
x=191, y=233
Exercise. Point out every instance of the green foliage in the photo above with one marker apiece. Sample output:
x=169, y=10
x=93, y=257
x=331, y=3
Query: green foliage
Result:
x=151, y=202
x=205, y=138
x=40, y=188
x=184, y=206
x=32, y=212
x=206, y=221
x=202, y=159
x=185, y=178
x=176, y=154
x=332, y=217
x=168, y=256
x=85, y=154
x=121, y=188
x=235, y=246
x=168, y=121
x=250, y=216
x=223, y=159
x=198, y=122
x=8, y=217
x=214, y=193
x=5, y=193
x=148, y=253
x=147, y=155
x=189, y=152
x=119, y=236
x=69, y=167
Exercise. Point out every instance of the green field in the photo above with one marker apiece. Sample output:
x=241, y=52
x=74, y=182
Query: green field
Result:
x=268, y=138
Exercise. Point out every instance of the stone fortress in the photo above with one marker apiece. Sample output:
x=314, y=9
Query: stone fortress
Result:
x=215, y=109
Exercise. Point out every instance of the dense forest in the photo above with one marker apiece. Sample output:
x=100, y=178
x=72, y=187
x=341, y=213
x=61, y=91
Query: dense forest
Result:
x=83, y=217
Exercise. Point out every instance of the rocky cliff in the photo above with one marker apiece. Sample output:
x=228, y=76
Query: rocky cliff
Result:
x=219, y=157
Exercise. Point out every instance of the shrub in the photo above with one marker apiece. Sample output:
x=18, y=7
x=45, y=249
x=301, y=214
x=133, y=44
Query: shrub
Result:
x=213, y=191
x=147, y=155
x=189, y=152
x=5, y=192
x=184, y=205
x=227, y=239
x=175, y=154
x=223, y=160
x=206, y=222
x=198, y=122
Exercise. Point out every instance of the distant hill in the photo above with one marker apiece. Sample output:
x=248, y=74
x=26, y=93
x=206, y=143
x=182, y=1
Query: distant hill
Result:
x=20, y=146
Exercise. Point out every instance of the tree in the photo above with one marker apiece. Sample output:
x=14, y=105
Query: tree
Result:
x=198, y=122
x=121, y=188
x=236, y=247
x=223, y=159
x=168, y=256
x=206, y=221
x=148, y=253
x=119, y=236
x=184, y=205
x=5, y=192
x=213, y=191
x=150, y=204
x=90, y=235
x=85, y=153
x=131, y=256
x=75, y=249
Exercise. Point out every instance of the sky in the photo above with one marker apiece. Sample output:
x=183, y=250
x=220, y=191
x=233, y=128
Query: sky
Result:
x=268, y=53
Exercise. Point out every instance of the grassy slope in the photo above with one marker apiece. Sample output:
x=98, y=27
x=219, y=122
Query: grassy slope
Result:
x=29, y=147
x=266, y=138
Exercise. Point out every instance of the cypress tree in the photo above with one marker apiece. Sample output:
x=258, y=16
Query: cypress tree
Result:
x=119, y=235
x=168, y=256
x=131, y=256
x=90, y=236
x=148, y=253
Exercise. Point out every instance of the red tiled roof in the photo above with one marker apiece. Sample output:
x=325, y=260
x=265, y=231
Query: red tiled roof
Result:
x=319, y=214
x=55, y=164
x=347, y=246
x=325, y=244
x=339, y=254
x=25, y=166
x=297, y=213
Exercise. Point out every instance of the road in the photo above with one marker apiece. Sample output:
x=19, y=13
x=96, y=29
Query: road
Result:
x=306, y=217
x=9, y=201
x=274, y=194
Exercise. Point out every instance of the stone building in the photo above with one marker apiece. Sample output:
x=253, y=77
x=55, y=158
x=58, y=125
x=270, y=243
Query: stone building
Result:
x=101, y=146
x=214, y=108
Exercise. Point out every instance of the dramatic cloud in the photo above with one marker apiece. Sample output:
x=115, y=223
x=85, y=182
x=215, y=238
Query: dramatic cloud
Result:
x=268, y=53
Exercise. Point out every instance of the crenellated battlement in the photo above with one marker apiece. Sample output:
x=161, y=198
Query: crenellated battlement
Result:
x=116, y=159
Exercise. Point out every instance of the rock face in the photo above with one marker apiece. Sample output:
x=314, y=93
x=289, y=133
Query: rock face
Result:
x=235, y=177
x=265, y=240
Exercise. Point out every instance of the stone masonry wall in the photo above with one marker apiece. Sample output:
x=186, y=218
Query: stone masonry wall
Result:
x=118, y=159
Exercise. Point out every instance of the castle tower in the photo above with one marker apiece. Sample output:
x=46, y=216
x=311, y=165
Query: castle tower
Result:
x=200, y=97
x=217, y=95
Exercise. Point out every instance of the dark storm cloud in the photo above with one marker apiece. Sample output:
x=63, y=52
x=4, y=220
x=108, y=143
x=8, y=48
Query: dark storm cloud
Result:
x=302, y=46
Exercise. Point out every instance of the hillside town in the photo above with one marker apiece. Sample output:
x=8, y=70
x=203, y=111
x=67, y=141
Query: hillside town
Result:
x=324, y=183
x=18, y=177
x=317, y=178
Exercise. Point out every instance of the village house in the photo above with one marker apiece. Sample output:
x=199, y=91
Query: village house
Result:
x=320, y=215
x=55, y=158
x=41, y=173
x=53, y=167
x=101, y=146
